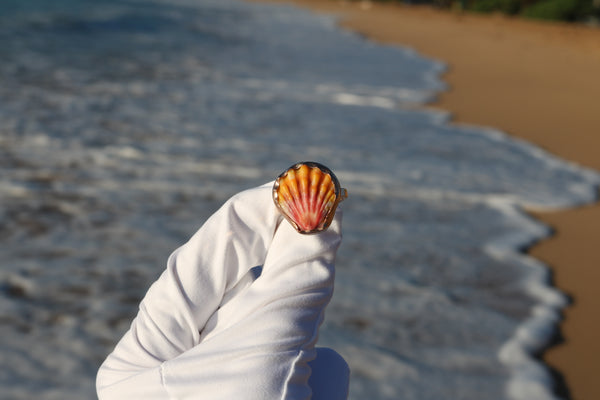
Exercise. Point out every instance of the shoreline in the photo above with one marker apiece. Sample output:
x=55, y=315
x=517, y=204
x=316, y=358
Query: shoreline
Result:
x=534, y=80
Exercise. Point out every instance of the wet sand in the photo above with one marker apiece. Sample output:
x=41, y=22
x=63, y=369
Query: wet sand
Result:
x=535, y=80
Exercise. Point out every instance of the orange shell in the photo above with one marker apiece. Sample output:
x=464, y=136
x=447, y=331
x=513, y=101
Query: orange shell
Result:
x=307, y=194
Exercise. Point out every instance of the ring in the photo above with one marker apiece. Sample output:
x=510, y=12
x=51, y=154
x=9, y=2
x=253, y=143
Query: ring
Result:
x=307, y=194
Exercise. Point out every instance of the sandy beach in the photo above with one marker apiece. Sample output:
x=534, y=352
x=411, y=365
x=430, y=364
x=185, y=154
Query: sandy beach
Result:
x=537, y=81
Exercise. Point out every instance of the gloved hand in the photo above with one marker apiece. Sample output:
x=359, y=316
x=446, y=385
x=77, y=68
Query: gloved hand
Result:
x=235, y=315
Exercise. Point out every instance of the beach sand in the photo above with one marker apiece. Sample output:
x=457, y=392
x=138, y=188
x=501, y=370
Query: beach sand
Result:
x=538, y=81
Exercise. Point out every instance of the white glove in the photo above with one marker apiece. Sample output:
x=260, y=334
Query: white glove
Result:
x=235, y=315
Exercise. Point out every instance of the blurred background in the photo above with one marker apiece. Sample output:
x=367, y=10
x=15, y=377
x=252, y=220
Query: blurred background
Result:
x=124, y=124
x=584, y=11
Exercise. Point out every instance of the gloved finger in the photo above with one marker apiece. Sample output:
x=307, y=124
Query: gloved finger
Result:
x=201, y=287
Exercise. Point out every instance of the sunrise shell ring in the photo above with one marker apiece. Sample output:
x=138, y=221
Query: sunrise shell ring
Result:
x=307, y=195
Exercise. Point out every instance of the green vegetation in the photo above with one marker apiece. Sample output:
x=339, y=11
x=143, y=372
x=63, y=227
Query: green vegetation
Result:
x=510, y=7
x=564, y=10
x=587, y=11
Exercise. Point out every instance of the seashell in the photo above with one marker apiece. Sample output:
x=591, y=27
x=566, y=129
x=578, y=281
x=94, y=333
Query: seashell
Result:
x=307, y=194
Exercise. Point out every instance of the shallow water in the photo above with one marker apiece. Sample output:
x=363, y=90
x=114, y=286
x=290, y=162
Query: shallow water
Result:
x=125, y=124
